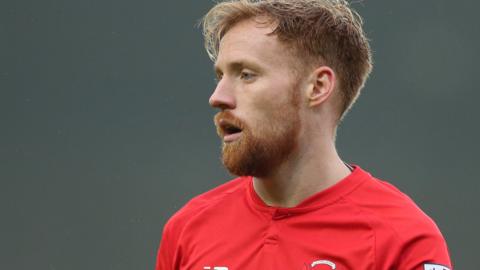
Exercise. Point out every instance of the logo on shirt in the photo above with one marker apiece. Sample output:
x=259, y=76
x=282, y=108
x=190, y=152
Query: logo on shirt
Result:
x=316, y=265
x=215, y=268
x=429, y=266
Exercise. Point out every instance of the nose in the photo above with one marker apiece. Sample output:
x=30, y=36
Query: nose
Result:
x=222, y=97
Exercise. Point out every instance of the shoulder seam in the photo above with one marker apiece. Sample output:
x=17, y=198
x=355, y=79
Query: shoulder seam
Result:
x=361, y=210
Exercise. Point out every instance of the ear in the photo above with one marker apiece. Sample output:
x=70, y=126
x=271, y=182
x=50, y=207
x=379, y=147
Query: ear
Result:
x=323, y=81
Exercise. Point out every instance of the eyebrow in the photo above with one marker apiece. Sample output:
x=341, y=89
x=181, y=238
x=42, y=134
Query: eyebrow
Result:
x=236, y=66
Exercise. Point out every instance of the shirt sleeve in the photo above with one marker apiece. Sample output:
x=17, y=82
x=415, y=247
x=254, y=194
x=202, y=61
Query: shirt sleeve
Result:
x=426, y=251
x=167, y=250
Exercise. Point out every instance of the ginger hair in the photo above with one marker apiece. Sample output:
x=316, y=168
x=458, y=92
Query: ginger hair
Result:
x=326, y=32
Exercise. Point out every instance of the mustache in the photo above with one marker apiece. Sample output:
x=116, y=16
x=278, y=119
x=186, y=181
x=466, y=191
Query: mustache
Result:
x=228, y=117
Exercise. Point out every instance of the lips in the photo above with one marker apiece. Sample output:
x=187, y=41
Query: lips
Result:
x=228, y=130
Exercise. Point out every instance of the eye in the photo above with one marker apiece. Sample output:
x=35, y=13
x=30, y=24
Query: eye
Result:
x=218, y=77
x=245, y=75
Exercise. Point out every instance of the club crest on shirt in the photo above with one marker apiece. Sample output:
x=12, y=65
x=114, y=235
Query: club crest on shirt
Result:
x=321, y=265
x=429, y=266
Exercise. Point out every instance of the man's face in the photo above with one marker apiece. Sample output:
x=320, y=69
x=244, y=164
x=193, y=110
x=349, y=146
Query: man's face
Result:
x=259, y=100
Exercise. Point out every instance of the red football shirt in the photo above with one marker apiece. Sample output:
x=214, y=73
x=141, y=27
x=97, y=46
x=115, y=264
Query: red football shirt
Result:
x=359, y=223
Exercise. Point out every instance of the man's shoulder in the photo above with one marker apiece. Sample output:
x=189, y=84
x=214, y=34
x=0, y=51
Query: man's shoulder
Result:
x=402, y=231
x=386, y=206
x=213, y=198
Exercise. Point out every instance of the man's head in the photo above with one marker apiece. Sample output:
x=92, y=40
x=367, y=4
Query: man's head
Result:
x=281, y=64
x=319, y=32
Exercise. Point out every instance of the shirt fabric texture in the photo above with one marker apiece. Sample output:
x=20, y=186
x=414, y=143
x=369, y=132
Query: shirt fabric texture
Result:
x=359, y=223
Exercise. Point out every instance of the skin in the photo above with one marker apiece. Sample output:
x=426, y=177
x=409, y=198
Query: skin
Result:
x=260, y=85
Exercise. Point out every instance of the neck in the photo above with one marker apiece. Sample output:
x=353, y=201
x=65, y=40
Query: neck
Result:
x=312, y=169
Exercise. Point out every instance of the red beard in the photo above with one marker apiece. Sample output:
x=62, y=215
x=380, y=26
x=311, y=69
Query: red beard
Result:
x=261, y=149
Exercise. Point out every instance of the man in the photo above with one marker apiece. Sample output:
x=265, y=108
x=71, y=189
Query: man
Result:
x=288, y=71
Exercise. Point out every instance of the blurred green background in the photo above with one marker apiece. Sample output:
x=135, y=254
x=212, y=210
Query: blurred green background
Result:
x=106, y=129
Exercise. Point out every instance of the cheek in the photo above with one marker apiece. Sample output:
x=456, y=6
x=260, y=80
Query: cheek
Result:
x=267, y=99
x=263, y=109
x=271, y=94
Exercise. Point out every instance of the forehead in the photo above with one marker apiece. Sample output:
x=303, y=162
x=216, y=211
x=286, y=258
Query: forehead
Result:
x=252, y=42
